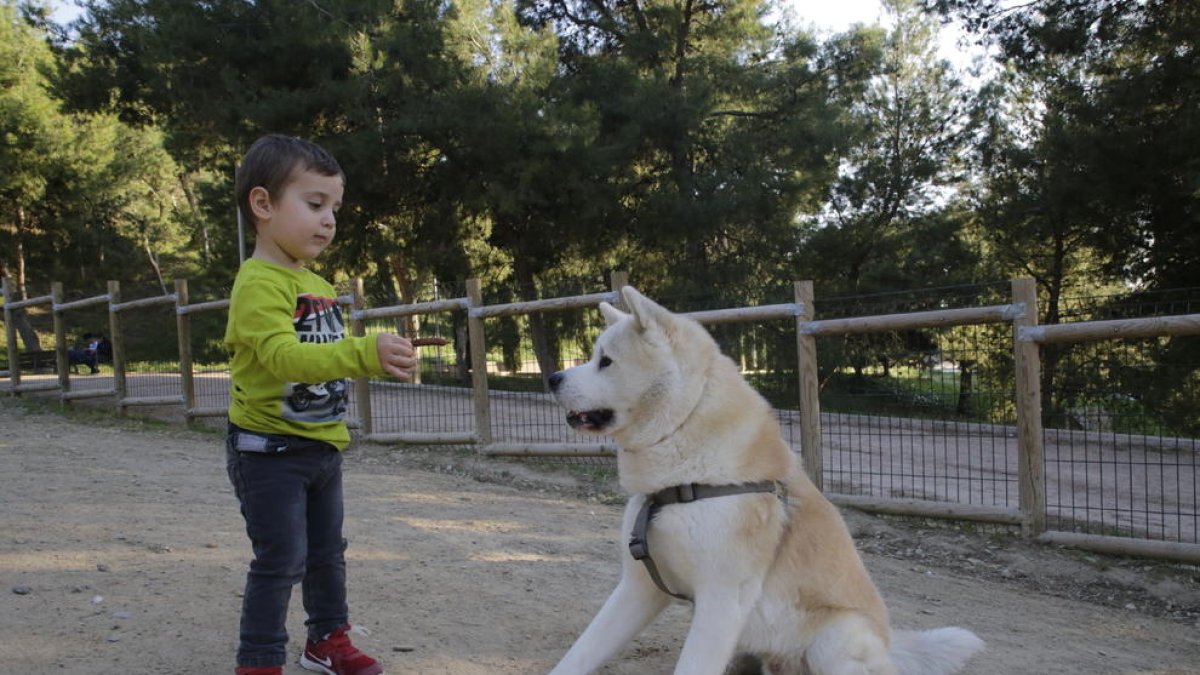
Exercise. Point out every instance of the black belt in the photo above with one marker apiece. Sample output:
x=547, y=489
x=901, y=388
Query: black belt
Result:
x=244, y=440
x=639, y=545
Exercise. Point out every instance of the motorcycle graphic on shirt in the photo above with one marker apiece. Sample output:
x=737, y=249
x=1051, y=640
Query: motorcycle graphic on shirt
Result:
x=317, y=320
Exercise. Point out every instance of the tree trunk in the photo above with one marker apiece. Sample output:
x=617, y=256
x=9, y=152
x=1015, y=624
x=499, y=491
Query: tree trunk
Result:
x=154, y=264
x=1052, y=354
x=966, y=387
x=26, y=330
x=408, y=326
x=462, y=351
x=19, y=242
x=19, y=318
x=189, y=192
x=547, y=363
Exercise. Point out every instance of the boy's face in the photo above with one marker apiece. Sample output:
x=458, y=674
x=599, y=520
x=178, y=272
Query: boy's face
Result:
x=297, y=225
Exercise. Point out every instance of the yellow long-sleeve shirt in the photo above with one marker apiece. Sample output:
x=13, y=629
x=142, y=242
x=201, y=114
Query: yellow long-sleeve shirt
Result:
x=290, y=354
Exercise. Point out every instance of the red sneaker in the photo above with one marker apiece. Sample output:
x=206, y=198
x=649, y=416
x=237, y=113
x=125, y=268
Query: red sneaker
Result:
x=259, y=670
x=334, y=655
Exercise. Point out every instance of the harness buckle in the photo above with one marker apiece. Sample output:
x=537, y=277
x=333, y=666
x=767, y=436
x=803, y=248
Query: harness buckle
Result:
x=638, y=548
x=686, y=493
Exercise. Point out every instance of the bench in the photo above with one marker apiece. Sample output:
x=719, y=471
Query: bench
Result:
x=40, y=361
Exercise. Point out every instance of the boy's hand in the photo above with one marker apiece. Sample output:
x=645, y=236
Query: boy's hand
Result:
x=397, y=356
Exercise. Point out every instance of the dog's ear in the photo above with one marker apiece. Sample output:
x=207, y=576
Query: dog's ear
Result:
x=646, y=312
x=611, y=314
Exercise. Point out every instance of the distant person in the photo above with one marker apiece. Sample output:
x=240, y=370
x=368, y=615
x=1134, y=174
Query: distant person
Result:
x=103, y=349
x=87, y=355
x=286, y=429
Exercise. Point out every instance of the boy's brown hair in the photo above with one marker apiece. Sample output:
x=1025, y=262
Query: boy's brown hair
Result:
x=270, y=162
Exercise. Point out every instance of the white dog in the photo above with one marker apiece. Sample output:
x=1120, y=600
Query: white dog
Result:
x=733, y=524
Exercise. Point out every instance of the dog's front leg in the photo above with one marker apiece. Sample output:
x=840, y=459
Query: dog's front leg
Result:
x=632, y=605
x=717, y=622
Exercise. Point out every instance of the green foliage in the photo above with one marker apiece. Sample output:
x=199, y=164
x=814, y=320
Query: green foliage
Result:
x=83, y=198
x=1095, y=121
x=539, y=144
x=890, y=220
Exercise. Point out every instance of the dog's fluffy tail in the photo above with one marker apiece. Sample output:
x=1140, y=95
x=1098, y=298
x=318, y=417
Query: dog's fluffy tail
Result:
x=941, y=651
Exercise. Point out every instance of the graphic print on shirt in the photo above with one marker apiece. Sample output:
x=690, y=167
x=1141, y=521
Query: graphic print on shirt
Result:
x=317, y=320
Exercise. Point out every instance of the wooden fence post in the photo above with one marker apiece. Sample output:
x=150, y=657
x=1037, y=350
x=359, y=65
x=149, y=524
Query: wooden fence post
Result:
x=479, y=378
x=60, y=338
x=118, y=345
x=183, y=322
x=1031, y=467
x=362, y=385
x=810, y=390
x=10, y=331
x=619, y=279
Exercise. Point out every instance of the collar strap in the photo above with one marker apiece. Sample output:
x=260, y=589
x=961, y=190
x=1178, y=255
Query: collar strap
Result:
x=690, y=492
x=639, y=544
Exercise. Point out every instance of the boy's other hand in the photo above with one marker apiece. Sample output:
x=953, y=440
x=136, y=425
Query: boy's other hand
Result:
x=397, y=356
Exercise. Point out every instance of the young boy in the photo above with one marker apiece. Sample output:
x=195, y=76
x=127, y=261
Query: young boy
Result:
x=286, y=432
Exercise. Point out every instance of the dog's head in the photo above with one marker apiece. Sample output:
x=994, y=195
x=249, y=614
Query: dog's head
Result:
x=646, y=370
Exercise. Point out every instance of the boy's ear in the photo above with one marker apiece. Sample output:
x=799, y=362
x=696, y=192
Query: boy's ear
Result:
x=260, y=202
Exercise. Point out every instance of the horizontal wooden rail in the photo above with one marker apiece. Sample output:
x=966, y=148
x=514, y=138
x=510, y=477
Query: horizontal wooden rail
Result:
x=789, y=310
x=169, y=299
x=416, y=438
x=87, y=393
x=547, y=305
x=207, y=412
x=929, y=509
x=1165, y=550
x=203, y=306
x=1085, y=331
x=151, y=400
x=432, y=307
x=80, y=304
x=30, y=302
x=35, y=386
x=549, y=450
x=941, y=318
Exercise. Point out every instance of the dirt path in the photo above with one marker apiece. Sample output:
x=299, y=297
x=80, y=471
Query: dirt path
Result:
x=122, y=552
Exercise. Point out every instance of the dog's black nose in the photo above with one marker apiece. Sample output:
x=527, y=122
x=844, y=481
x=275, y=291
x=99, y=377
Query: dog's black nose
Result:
x=554, y=380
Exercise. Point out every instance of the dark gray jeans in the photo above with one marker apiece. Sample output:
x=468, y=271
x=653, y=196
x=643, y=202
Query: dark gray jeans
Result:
x=292, y=502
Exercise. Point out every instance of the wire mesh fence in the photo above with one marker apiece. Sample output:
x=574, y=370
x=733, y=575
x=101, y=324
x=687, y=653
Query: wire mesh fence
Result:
x=151, y=344
x=522, y=412
x=926, y=414
x=1122, y=421
x=439, y=398
x=922, y=414
x=209, y=359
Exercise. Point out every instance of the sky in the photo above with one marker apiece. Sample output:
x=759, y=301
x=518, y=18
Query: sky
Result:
x=64, y=11
x=838, y=14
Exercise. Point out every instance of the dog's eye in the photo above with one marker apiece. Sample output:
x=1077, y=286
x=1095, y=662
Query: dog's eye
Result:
x=605, y=362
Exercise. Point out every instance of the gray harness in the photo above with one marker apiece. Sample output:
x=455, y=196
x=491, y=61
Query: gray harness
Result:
x=639, y=545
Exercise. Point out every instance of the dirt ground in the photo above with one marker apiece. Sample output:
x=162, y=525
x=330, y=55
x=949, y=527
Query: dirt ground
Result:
x=122, y=551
